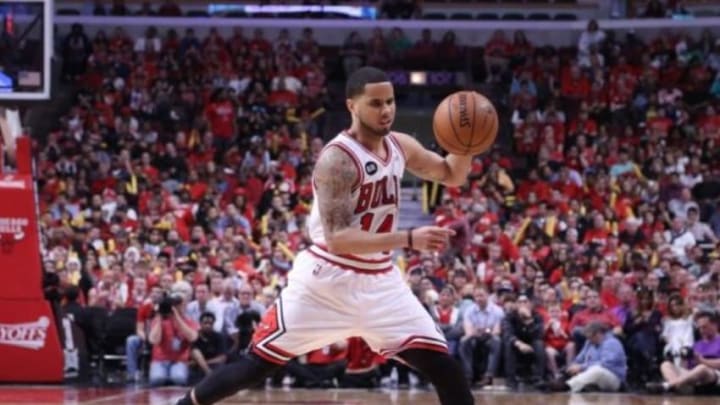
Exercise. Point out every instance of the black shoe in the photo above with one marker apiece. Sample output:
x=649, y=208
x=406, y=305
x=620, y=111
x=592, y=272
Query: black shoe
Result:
x=540, y=385
x=558, y=386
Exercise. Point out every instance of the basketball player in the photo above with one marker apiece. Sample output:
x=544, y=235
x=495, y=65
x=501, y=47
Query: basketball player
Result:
x=345, y=284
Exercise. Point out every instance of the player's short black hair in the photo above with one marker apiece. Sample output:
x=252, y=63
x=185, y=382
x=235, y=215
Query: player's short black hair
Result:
x=355, y=85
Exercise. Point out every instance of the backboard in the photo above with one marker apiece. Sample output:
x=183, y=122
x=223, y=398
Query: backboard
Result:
x=26, y=47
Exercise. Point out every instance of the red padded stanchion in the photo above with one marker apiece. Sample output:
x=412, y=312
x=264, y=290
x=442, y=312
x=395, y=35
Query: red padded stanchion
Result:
x=29, y=345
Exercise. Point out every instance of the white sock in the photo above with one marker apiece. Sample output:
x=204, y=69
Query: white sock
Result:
x=666, y=386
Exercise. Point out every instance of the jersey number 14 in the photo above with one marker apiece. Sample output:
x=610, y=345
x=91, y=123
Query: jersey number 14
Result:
x=366, y=222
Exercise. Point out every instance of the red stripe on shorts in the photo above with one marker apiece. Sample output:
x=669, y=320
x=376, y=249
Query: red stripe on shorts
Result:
x=267, y=357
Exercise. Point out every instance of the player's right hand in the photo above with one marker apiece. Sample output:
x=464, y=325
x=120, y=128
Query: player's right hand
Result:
x=433, y=238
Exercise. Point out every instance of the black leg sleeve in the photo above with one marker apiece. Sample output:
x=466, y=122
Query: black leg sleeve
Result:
x=443, y=372
x=249, y=371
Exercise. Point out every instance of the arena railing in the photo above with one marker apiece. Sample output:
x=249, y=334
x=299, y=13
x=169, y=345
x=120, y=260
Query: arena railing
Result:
x=333, y=32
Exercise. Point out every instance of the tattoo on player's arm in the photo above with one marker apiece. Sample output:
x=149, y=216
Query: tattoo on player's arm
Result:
x=335, y=175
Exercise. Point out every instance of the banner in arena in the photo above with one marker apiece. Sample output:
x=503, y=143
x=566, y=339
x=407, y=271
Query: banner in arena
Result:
x=29, y=343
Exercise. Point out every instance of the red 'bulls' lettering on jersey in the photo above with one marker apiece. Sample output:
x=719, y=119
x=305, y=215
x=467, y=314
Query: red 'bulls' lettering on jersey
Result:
x=375, y=194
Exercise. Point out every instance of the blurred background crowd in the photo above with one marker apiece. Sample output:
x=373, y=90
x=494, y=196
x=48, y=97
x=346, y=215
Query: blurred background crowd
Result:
x=175, y=192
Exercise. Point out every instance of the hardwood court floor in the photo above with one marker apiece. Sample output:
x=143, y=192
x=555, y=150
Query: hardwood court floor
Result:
x=46, y=395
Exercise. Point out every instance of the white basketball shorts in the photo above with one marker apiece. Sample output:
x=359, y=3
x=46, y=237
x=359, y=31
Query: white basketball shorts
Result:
x=326, y=303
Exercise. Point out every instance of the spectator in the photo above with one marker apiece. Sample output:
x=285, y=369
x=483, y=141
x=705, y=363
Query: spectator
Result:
x=522, y=337
x=702, y=365
x=680, y=238
x=307, y=47
x=246, y=303
x=677, y=332
x=497, y=51
x=626, y=299
x=450, y=52
x=353, y=53
x=75, y=51
x=287, y=81
x=172, y=334
x=150, y=43
x=700, y=230
x=679, y=206
x=199, y=305
x=208, y=351
x=398, y=45
x=521, y=50
x=593, y=313
x=482, y=324
x=642, y=330
x=600, y=363
x=592, y=37
x=224, y=307
x=557, y=339
x=448, y=317
x=377, y=51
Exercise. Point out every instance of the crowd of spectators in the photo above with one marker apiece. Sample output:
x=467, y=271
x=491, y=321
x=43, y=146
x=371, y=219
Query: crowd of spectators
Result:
x=605, y=216
x=179, y=185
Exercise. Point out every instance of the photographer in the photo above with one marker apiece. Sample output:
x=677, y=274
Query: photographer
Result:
x=172, y=334
x=702, y=368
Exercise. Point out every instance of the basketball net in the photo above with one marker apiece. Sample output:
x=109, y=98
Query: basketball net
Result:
x=10, y=129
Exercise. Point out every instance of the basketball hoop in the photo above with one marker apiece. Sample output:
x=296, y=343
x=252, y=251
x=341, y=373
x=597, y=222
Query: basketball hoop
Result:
x=7, y=242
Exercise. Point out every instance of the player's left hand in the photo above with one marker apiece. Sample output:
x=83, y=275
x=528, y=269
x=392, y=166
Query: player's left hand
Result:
x=433, y=238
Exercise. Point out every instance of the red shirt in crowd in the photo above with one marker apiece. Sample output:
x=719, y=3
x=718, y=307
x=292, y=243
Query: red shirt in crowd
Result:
x=578, y=88
x=587, y=316
x=173, y=346
x=221, y=115
x=557, y=341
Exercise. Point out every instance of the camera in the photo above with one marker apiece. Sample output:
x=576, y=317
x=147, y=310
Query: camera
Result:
x=167, y=302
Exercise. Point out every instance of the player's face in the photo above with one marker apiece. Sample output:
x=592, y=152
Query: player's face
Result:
x=374, y=110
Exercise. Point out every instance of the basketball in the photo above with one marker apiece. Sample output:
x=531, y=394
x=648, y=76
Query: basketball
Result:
x=465, y=123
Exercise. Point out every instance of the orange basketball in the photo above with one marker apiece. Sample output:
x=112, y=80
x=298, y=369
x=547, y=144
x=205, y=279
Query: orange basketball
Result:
x=465, y=123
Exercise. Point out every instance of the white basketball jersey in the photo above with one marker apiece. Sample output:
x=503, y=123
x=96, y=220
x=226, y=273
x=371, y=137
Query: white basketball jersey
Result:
x=376, y=200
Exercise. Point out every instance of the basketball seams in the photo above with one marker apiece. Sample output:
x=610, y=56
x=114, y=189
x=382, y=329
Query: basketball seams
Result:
x=452, y=123
x=484, y=118
x=472, y=128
